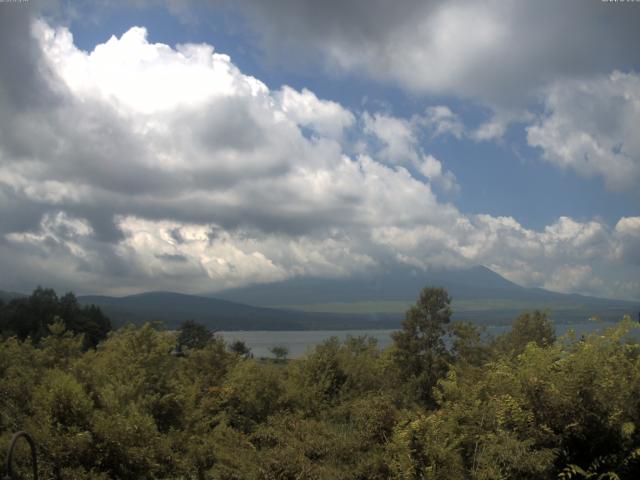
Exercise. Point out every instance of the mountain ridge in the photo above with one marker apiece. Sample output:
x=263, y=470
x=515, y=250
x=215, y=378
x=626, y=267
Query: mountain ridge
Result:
x=400, y=284
x=375, y=301
x=172, y=308
x=473, y=290
x=7, y=296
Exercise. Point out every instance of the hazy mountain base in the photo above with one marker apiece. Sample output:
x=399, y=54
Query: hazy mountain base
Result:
x=171, y=309
x=482, y=311
x=481, y=296
x=377, y=300
x=477, y=284
x=508, y=409
x=8, y=296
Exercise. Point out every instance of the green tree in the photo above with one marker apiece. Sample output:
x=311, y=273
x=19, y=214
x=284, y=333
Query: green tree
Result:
x=280, y=353
x=316, y=380
x=251, y=392
x=528, y=327
x=194, y=335
x=420, y=351
x=240, y=348
x=31, y=316
x=88, y=320
x=467, y=344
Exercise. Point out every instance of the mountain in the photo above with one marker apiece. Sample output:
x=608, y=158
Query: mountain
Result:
x=398, y=284
x=479, y=294
x=8, y=296
x=365, y=302
x=171, y=309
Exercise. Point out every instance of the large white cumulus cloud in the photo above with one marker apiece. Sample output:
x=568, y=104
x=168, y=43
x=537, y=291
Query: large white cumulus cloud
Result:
x=591, y=127
x=160, y=167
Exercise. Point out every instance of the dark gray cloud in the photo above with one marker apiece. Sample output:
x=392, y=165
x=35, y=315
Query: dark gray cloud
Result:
x=497, y=52
x=22, y=71
x=172, y=258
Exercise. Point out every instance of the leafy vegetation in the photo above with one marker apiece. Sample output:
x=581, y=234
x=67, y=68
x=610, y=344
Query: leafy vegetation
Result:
x=280, y=352
x=443, y=402
x=193, y=335
x=30, y=317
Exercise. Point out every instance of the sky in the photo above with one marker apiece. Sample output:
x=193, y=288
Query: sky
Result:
x=197, y=146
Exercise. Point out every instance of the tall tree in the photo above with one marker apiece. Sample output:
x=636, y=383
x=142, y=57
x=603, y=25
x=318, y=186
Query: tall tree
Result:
x=528, y=327
x=194, y=335
x=279, y=352
x=420, y=352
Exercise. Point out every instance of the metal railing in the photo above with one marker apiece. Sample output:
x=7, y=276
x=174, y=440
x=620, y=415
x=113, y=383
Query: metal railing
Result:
x=8, y=465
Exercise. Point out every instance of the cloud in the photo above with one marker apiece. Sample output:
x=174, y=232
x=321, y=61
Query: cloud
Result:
x=326, y=118
x=440, y=120
x=398, y=143
x=204, y=252
x=496, y=126
x=627, y=232
x=589, y=126
x=153, y=167
x=57, y=232
x=558, y=257
x=397, y=137
x=216, y=148
x=432, y=169
x=568, y=279
x=23, y=75
x=497, y=52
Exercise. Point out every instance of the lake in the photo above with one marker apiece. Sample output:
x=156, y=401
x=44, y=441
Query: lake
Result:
x=300, y=342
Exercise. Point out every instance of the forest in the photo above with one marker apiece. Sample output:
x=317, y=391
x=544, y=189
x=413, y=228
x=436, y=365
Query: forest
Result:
x=445, y=401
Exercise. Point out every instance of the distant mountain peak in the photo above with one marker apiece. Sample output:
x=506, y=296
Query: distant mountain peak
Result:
x=400, y=283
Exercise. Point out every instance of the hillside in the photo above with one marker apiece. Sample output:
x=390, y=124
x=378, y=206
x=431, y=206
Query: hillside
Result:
x=478, y=293
x=173, y=308
x=377, y=301
x=8, y=296
x=399, y=284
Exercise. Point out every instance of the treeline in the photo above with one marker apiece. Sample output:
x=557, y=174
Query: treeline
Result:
x=30, y=317
x=443, y=402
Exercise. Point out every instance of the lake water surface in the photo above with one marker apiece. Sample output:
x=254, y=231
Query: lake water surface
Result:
x=301, y=342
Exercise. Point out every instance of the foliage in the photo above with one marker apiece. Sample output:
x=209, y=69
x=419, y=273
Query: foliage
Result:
x=193, y=335
x=30, y=317
x=279, y=352
x=529, y=327
x=240, y=348
x=419, y=347
x=523, y=406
